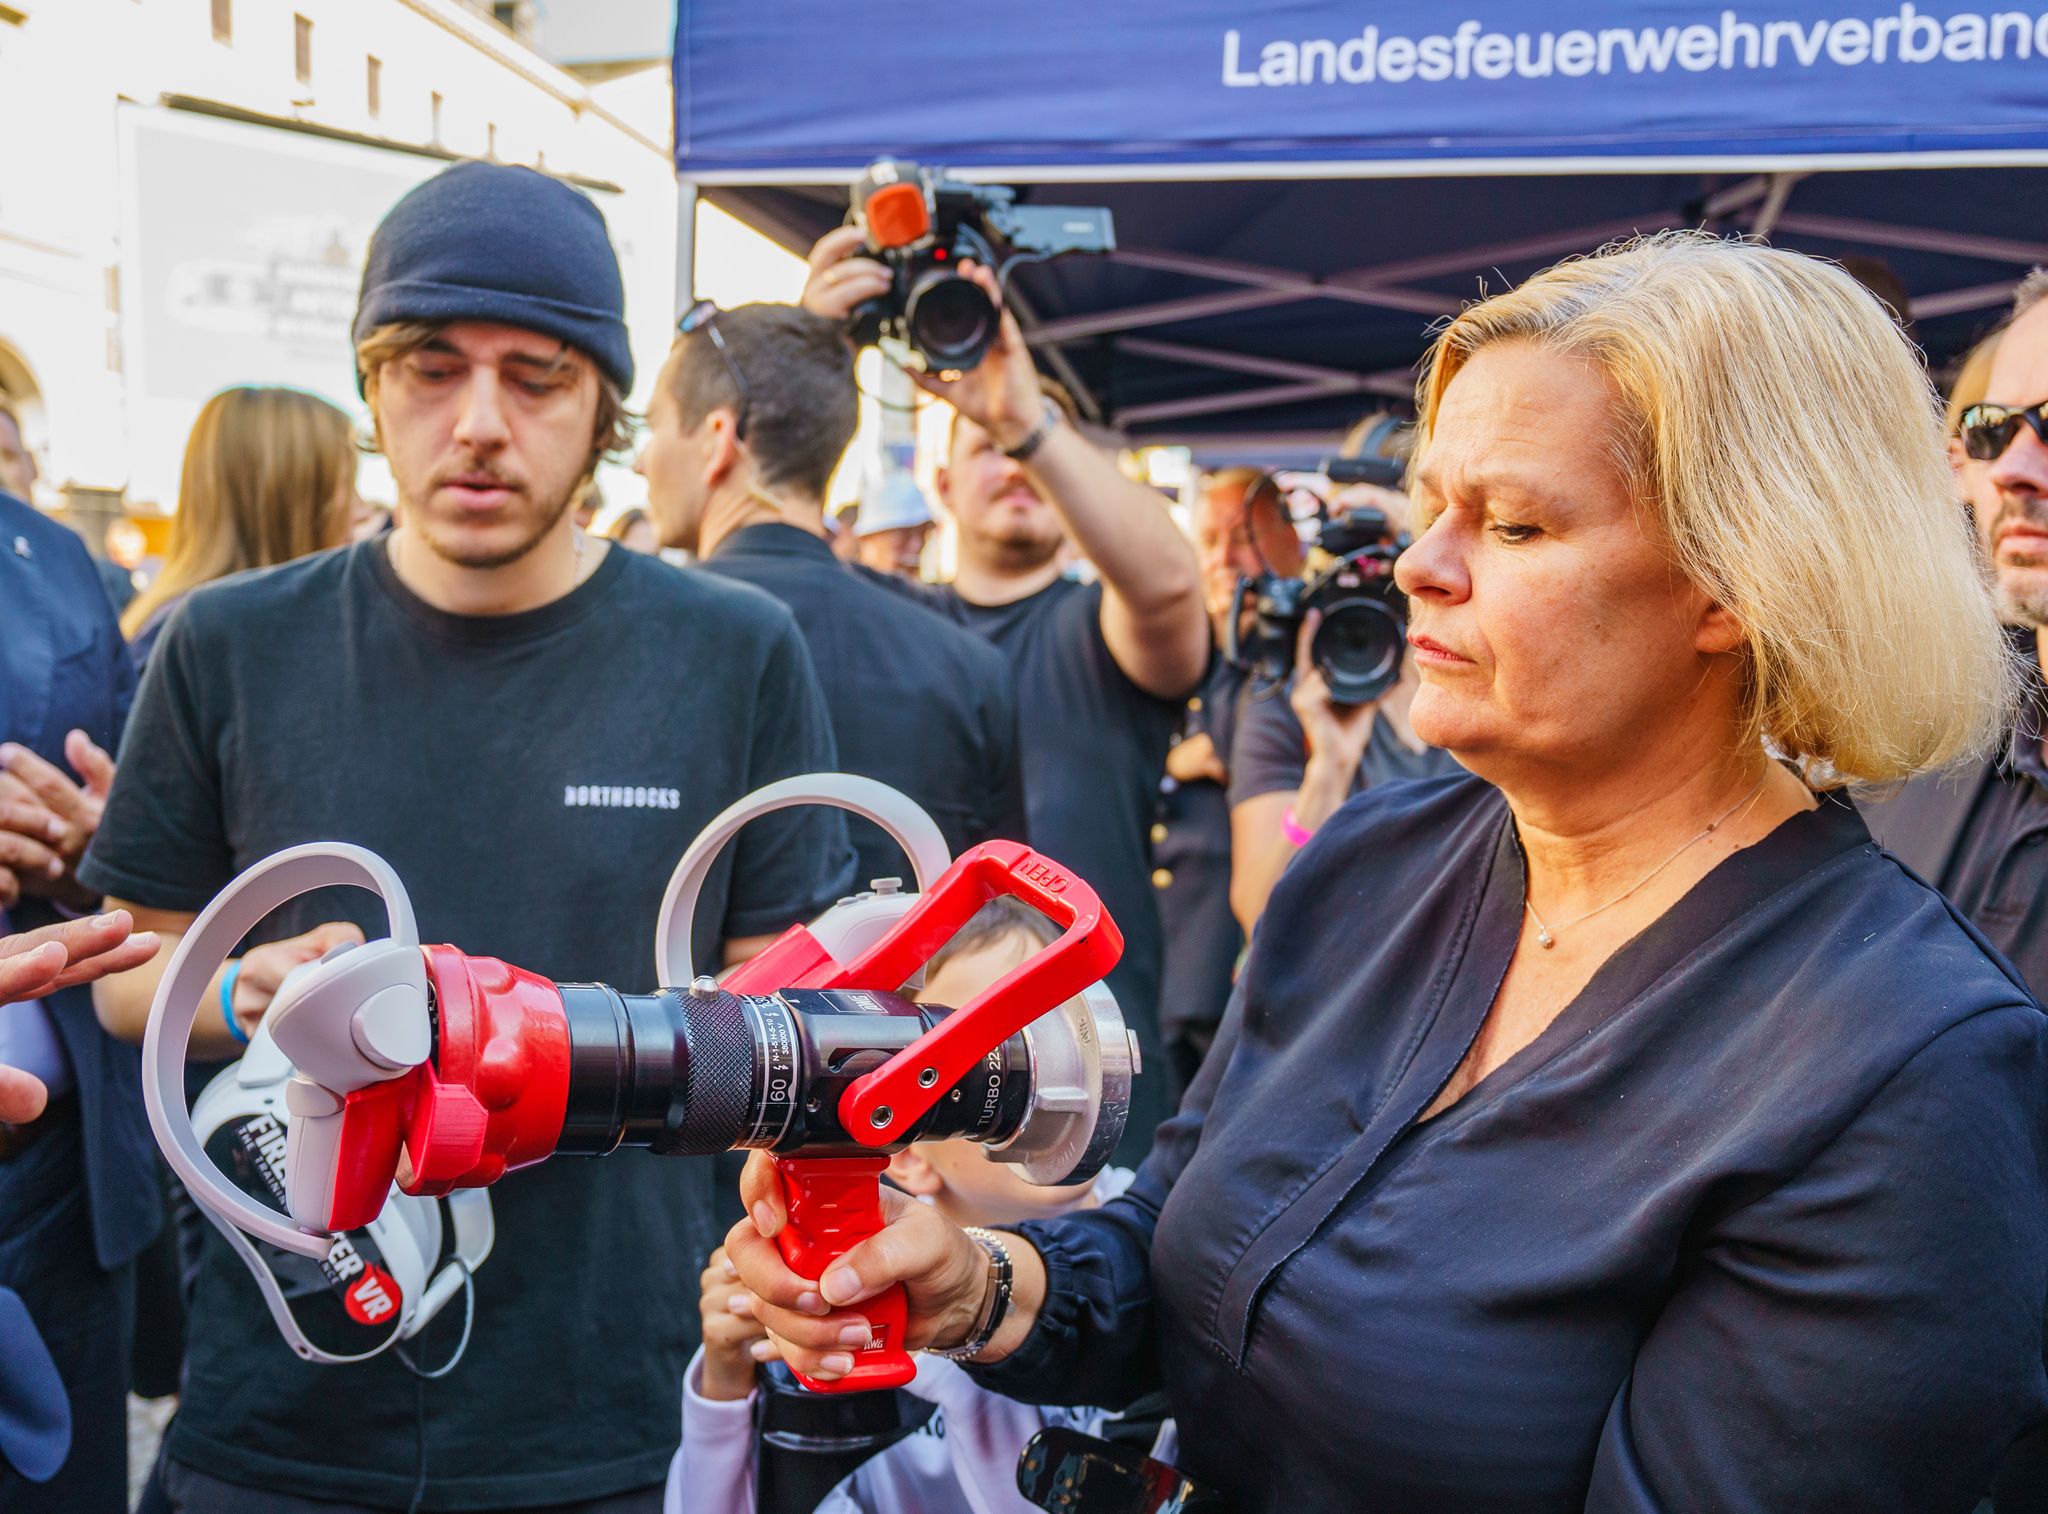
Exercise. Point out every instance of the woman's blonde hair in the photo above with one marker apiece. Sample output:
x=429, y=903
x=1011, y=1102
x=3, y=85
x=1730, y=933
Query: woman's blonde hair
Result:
x=624, y=522
x=262, y=484
x=1784, y=434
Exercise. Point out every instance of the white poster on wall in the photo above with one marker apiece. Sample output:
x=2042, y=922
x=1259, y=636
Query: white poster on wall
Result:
x=242, y=253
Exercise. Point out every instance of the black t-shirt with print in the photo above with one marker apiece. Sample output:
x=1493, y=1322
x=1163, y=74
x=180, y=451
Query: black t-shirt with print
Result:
x=1094, y=745
x=532, y=778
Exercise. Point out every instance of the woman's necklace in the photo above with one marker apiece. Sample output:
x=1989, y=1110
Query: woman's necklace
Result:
x=1546, y=936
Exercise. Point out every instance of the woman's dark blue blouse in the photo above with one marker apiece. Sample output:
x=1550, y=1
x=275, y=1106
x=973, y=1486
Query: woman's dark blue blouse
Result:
x=1760, y=1222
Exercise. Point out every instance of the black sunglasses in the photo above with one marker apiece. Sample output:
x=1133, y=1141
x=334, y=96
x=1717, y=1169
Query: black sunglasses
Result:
x=1987, y=430
x=703, y=316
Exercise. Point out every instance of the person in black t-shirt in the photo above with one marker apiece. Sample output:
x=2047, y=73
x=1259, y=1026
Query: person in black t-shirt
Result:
x=1979, y=832
x=737, y=476
x=530, y=726
x=1102, y=669
x=1191, y=834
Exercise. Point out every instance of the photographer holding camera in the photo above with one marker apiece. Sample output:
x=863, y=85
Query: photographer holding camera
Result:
x=1102, y=670
x=1299, y=750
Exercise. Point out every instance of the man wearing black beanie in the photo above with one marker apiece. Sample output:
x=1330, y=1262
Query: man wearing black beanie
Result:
x=530, y=727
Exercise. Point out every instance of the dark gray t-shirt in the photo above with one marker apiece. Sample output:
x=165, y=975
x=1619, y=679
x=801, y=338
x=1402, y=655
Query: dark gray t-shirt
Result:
x=1269, y=752
x=533, y=779
x=1094, y=745
x=916, y=701
x=1997, y=872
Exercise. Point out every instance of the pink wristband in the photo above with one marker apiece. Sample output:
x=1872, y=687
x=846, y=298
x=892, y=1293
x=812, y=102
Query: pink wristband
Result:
x=1293, y=830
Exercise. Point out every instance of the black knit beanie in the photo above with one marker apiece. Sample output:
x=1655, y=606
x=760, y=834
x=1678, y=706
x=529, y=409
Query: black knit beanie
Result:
x=489, y=242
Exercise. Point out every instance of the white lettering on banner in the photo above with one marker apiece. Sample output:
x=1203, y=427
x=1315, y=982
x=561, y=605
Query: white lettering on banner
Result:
x=1733, y=31
x=1910, y=36
x=1849, y=41
x=1234, y=76
x=1964, y=44
x=605, y=796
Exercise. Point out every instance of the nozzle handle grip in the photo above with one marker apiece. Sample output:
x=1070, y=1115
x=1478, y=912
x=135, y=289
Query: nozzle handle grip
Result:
x=835, y=1203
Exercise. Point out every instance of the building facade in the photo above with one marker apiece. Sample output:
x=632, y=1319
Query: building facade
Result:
x=187, y=188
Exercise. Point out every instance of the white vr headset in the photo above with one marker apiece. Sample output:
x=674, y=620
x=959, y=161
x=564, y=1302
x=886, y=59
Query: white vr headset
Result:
x=374, y=1287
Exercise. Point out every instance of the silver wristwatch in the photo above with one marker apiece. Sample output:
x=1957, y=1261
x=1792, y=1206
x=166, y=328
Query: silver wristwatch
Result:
x=995, y=1303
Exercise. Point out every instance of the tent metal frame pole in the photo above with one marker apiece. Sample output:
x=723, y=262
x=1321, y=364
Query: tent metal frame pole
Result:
x=1740, y=196
x=1365, y=285
x=1395, y=383
x=1523, y=249
x=1962, y=301
x=1238, y=362
x=1916, y=238
x=1286, y=281
x=1062, y=366
x=686, y=246
x=1758, y=202
x=1769, y=214
x=1197, y=307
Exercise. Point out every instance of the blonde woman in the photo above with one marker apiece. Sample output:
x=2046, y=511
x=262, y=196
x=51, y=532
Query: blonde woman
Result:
x=270, y=475
x=1612, y=1127
x=633, y=529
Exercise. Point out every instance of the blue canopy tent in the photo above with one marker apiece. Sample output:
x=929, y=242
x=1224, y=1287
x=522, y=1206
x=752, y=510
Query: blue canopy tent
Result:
x=1302, y=187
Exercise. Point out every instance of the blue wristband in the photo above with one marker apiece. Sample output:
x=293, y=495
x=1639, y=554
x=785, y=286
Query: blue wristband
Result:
x=227, y=1001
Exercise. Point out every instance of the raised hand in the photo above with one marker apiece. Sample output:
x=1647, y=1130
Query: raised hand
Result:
x=840, y=281
x=39, y=962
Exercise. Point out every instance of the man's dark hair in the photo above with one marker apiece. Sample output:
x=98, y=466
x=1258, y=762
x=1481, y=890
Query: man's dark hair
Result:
x=1882, y=280
x=802, y=403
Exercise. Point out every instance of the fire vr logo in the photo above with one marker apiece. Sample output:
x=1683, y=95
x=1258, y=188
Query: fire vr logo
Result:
x=374, y=1298
x=368, y=1292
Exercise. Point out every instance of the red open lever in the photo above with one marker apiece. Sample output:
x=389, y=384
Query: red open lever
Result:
x=834, y=1203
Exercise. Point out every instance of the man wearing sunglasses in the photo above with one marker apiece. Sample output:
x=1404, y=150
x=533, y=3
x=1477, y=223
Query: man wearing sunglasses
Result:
x=530, y=727
x=751, y=414
x=1981, y=834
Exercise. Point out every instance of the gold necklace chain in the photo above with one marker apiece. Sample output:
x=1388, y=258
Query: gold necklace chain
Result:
x=1546, y=936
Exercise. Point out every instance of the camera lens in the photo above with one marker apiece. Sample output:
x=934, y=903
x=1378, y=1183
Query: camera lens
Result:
x=949, y=320
x=1358, y=648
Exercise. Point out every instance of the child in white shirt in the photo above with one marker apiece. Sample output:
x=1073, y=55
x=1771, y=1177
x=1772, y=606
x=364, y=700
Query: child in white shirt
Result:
x=964, y=1457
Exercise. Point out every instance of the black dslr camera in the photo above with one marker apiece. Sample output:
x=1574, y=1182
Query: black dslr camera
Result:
x=1347, y=573
x=921, y=223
